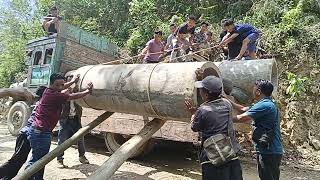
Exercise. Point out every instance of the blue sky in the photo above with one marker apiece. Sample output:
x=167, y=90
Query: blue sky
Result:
x=4, y=3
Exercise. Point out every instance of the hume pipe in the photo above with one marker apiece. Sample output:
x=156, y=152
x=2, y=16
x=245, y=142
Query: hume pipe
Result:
x=159, y=90
x=153, y=90
x=244, y=73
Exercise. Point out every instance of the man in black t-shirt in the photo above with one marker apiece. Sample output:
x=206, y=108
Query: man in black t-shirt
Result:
x=51, y=23
x=181, y=33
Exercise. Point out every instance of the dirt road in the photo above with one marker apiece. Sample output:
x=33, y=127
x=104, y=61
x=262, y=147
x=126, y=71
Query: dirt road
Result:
x=168, y=160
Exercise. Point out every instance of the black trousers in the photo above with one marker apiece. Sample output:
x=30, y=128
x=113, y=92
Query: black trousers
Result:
x=11, y=168
x=229, y=171
x=269, y=166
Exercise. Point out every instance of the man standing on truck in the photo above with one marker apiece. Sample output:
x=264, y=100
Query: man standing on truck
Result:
x=265, y=118
x=181, y=33
x=47, y=115
x=51, y=23
x=154, y=49
x=247, y=34
x=70, y=123
x=11, y=168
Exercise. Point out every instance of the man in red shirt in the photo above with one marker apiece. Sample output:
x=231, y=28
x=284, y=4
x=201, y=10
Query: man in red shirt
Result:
x=47, y=115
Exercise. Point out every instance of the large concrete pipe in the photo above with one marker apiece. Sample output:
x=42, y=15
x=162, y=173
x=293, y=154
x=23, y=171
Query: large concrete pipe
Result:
x=154, y=90
x=243, y=74
x=159, y=90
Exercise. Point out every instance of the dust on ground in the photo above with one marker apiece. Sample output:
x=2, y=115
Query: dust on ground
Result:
x=168, y=160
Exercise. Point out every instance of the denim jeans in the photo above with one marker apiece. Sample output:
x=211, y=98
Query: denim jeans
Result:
x=11, y=168
x=40, y=142
x=68, y=127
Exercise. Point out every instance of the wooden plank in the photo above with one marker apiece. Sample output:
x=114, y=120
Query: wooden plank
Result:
x=131, y=124
x=76, y=55
x=90, y=40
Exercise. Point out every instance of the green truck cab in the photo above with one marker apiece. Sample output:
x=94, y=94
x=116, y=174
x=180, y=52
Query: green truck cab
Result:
x=68, y=50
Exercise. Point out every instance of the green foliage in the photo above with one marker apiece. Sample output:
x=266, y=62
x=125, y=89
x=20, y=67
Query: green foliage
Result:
x=290, y=27
x=297, y=86
x=18, y=24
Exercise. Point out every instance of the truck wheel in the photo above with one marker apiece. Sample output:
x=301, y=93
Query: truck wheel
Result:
x=114, y=141
x=17, y=117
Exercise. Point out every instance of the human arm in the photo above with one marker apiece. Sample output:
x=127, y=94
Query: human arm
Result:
x=196, y=122
x=242, y=118
x=256, y=112
x=82, y=94
x=75, y=79
x=144, y=52
x=225, y=41
x=49, y=20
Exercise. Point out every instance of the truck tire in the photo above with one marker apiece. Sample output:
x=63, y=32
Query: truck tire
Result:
x=113, y=142
x=17, y=117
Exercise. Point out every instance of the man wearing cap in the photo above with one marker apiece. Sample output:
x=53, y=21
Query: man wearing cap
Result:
x=211, y=118
x=264, y=116
x=11, y=168
x=154, y=49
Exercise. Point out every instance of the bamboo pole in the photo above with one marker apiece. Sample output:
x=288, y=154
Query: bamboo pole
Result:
x=58, y=150
x=127, y=150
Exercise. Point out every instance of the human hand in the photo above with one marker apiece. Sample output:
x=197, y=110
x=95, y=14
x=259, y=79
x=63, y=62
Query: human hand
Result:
x=56, y=19
x=90, y=87
x=75, y=78
x=189, y=105
x=199, y=74
x=238, y=58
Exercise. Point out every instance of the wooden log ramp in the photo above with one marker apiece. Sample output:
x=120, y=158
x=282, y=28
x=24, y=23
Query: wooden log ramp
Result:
x=113, y=163
x=127, y=150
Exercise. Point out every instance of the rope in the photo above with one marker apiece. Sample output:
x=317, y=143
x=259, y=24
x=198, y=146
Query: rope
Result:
x=82, y=82
x=149, y=80
x=122, y=60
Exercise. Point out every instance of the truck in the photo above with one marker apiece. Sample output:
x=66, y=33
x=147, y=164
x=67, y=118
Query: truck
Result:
x=73, y=48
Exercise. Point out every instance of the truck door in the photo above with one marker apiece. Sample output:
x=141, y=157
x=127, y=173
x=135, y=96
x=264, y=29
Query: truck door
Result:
x=41, y=65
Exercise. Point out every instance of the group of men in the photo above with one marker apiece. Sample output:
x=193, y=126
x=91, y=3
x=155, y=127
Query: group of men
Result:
x=238, y=41
x=55, y=103
x=215, y=116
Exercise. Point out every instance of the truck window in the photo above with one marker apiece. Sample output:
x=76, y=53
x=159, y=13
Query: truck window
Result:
x=48, y=56
x=37, y=58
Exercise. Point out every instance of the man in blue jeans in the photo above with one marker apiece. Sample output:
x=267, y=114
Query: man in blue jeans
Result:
x=247, y=34
x=70, y=123
x=264, y=115
x=47, y=115
x=11, y=168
